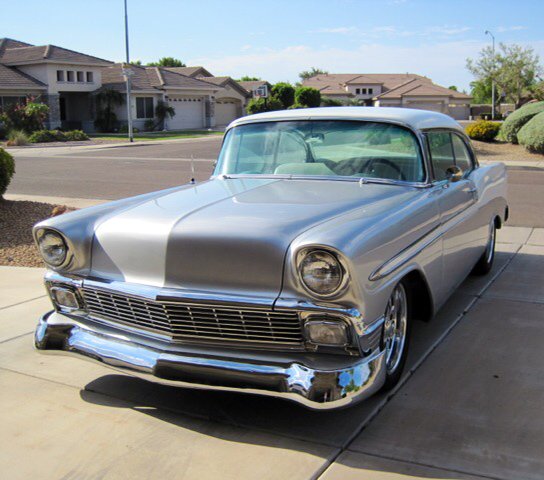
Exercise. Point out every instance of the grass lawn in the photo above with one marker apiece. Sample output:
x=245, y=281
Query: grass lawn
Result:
x=123, y=137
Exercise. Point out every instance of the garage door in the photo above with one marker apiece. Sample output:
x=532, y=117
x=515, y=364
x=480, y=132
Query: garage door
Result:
x=189, y=113
x=432, y=106
x=226, y=111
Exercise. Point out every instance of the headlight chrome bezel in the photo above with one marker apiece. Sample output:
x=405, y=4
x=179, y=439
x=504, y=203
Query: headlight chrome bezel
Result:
x=40, y=235
x=304, y=253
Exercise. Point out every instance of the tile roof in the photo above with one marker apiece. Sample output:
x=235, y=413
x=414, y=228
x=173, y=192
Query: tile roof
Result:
x=11, y=78
x=149, y=78
x=224, y=81
x=10, y=43
x=190, y=71
x=416, y=87
x=48, y=53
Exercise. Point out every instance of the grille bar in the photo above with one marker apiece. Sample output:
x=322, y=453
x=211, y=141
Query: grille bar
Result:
x=182, y=321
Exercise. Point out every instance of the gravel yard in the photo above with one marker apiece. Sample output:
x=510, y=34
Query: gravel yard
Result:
x=500, y=151
x=17, y=246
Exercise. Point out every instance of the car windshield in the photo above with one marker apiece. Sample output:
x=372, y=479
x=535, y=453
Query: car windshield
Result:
x=322, y=148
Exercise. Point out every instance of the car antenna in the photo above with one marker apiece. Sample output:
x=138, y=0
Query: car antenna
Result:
x=192, y=170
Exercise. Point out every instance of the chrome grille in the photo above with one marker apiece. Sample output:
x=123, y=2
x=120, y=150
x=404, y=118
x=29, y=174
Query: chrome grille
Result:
x=195, y=321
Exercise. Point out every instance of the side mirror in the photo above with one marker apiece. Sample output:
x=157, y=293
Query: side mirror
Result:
x=454, y=173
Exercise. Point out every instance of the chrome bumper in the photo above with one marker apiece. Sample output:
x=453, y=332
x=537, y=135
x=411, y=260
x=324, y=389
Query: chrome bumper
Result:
x=315, y=381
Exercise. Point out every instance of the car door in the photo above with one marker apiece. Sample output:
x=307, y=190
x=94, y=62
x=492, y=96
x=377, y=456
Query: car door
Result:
x=457, y=201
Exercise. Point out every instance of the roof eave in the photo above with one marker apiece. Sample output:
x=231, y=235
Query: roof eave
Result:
x=56, y=62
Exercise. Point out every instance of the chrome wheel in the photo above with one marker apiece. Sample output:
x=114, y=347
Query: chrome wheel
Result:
x=395, y=327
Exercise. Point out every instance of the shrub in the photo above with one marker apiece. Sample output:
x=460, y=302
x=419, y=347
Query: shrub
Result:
x=17, y=138
x=531, y=135
x=76, y=136
x=28, y=117
x=149, y=125
x=259, y=105
x=483, y=130
x=47, y=136
x=308, y=96
x=330, y=102
x=124, y=129
x=7, y=169
x=285, y=93
x=517, y=119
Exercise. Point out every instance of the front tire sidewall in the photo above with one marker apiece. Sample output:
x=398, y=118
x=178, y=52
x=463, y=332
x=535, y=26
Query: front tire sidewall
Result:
x=485, y=263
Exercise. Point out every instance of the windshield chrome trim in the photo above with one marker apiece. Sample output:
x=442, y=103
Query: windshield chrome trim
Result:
x=339, y=178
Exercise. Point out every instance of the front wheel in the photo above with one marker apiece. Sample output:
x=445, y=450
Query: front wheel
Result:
x=485, y=263
x=396, y=333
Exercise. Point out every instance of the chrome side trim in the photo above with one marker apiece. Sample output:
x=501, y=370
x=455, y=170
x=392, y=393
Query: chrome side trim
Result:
x=419, y=245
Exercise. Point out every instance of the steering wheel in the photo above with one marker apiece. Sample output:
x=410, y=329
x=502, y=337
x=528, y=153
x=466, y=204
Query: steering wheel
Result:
x=369, y=165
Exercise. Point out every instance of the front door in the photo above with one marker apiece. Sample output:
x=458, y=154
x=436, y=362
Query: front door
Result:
x=457, y=202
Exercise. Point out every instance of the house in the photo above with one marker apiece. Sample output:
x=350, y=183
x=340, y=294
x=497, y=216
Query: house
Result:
x=231, y=99
x=67, y=82
x=392, y=90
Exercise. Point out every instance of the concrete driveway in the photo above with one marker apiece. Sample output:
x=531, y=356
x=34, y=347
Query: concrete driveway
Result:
x=469, y=406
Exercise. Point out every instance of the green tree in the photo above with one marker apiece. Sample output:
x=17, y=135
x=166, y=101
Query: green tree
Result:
x=162, y=112
x=514, y=68
x=306, y=74
x=285, y=93
x=480, y=91
x=106, y=101
x=537, y=91
x=167, y=62
x=247, y=78
x=307, y=97
x=454, y=88
x=259, y=105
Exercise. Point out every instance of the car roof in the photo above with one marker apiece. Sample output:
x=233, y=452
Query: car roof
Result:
x=414, y=118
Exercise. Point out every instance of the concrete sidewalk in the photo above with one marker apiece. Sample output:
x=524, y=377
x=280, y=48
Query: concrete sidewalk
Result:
x=469, y=405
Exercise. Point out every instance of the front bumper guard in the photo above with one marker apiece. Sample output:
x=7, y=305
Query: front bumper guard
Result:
x=314, y=388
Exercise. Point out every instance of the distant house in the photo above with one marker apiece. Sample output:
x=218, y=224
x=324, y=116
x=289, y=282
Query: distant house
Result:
x=392, y=90
x=252, y=86
x=67, y=82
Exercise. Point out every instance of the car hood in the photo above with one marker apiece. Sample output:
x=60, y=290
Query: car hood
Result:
x=227, y=236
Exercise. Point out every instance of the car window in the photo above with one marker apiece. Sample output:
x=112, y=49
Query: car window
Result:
x=323, y=148
x=447, y=149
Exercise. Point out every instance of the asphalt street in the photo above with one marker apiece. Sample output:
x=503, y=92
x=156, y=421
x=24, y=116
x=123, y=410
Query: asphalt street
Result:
x=113, y=173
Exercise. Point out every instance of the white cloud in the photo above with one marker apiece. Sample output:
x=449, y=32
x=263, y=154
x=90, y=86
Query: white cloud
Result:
x=246, y=47
x=448, y=30
x=513, y=28
x=341, y=30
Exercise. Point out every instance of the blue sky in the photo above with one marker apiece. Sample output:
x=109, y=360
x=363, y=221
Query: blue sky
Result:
x=276, y=39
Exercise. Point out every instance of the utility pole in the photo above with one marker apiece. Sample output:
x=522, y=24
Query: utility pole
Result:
x=487, y=32
x=128, y=73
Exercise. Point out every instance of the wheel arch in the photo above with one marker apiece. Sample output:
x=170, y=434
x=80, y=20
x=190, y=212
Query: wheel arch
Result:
x=420, y=294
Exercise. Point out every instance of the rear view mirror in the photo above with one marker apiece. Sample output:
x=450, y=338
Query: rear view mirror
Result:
x=454, y=173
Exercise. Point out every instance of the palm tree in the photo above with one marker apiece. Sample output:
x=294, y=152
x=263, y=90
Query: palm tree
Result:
x=106, y=101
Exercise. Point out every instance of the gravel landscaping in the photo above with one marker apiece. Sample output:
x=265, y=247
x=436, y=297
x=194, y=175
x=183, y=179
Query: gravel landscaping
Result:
x=501, y=151
x=17, y=246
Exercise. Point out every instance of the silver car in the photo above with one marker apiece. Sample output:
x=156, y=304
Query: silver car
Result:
x=296, y=271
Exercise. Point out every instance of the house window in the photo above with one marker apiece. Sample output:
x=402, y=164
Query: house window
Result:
x=364, y=91
x=70, y=76
x=357, y=91
x=144, y=107
x=370, y=90
x=80, y=77
x=90, y=77
x=60, y=75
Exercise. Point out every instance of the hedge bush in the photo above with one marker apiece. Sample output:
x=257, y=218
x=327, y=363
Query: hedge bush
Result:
x=285, y=93
x=483, y=130
x=531, y=135
x=259, y=105
x=76, y=136
x=516, y=120
x=7, y=170
x=46, y=136
x=308, y=97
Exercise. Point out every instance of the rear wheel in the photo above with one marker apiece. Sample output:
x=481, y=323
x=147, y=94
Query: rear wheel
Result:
x=396, y=333
x=485, y=263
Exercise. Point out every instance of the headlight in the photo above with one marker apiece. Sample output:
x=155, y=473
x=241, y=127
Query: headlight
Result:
x=52, y=247
x=321, y=272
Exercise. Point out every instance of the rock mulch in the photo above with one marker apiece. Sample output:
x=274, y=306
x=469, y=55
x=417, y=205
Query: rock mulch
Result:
x=501, y=151
x=17, y=218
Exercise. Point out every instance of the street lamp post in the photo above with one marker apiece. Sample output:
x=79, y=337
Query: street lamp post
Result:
x=127, y=74
x=487, y=32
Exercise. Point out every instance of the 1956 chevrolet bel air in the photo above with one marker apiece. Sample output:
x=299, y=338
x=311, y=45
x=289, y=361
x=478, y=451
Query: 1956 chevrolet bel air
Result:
x=296, y=271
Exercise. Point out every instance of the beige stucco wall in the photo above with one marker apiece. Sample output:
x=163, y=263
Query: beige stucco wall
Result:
x=47, y=73
x=376, y=90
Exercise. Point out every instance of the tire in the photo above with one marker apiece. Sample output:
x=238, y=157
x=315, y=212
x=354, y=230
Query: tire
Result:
x=396, y=333
x=485, y=263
